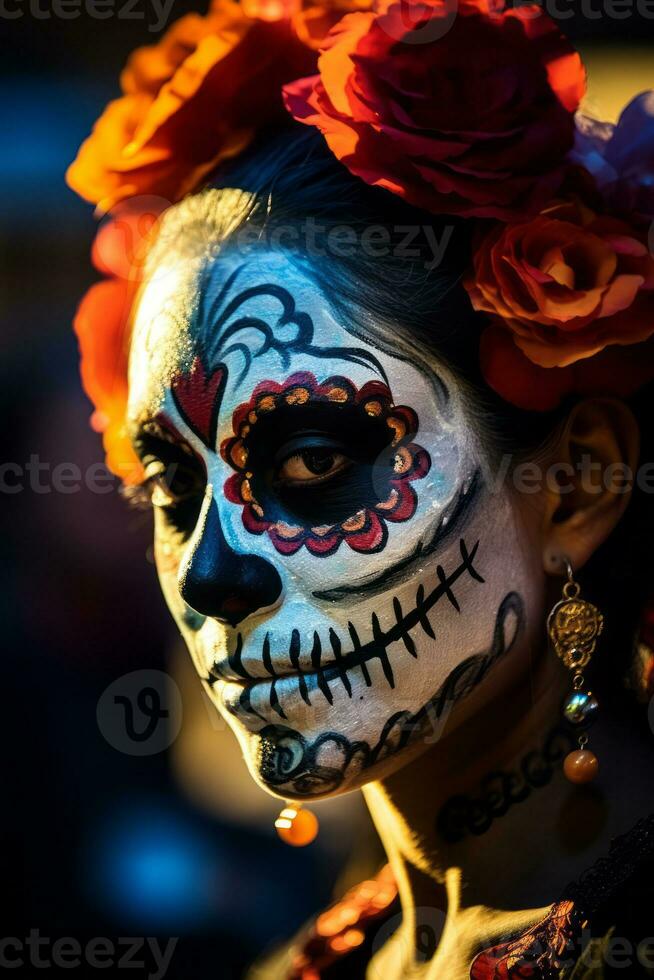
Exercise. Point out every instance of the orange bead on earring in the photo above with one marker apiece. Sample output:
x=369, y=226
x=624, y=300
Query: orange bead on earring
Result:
x=580, y=766
x=297, y=826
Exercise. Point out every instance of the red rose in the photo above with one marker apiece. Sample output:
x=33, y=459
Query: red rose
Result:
x=618, y=371
x=468, y=114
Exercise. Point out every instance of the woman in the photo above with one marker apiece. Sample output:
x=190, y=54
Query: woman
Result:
x=382, y=372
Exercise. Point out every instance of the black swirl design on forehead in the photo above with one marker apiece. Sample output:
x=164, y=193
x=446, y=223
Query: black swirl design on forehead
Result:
x=291, y=331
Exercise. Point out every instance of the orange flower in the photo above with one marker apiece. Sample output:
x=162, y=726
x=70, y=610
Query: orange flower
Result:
x=191, y=101
x=101, y=325
x=314, y=20
x=617, y=371
x=566, y=284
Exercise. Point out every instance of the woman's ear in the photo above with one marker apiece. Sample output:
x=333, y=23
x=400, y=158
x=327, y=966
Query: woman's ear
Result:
x=590, y=481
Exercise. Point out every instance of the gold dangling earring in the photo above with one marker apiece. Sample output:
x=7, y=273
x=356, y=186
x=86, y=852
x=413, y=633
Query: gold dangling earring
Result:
x=296, y=825
x=574, y=626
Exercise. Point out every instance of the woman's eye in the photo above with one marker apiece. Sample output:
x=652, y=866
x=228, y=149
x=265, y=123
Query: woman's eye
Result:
x=310, y=466
x=171, y=485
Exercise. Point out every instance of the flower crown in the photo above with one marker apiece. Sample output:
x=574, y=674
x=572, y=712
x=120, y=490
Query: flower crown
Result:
x=467, y=108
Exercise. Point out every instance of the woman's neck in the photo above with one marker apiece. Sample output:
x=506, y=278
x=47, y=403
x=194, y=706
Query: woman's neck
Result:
x=483, y=831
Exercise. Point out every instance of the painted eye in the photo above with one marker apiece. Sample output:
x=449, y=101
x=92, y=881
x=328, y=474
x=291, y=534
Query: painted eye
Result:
x=310, y=466
x=173, y=484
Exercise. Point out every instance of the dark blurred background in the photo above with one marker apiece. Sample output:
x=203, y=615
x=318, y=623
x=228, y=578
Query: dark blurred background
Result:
x=98, y=841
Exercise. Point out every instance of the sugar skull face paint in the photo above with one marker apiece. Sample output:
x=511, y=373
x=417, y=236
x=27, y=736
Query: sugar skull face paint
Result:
x=329, y=496
x=323, y=534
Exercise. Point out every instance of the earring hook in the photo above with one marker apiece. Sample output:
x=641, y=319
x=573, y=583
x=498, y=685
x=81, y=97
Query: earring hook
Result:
x=567, y=564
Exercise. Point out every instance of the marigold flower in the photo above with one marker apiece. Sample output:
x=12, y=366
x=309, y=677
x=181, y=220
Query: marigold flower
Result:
x=190, y=102
x=101, y=325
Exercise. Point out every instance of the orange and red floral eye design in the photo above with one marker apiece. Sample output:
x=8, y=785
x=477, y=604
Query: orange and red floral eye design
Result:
x=386, y=463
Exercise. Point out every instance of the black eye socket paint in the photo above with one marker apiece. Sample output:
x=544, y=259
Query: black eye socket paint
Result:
x=373, y=486
x=326, y=429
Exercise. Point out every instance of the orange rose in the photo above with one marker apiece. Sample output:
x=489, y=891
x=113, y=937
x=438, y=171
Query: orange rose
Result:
x=566, y=284
x=314, y=20
x=190, y=102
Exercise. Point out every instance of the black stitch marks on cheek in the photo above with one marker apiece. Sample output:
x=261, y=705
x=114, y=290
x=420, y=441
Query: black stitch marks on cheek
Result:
x=290, y=763
x=323, y=673
x=452, y=521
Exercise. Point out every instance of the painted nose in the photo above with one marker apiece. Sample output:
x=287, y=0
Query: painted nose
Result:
x=219, y=582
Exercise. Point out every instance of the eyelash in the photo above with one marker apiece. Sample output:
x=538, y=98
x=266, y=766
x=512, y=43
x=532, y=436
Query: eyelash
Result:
x=138, y=496
x=160, y=449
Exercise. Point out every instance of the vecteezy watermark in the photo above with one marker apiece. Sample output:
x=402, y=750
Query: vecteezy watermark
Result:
x=129, y=231
x=140, y=713
x=426, y=244
x=592, y=10
x=417, y=946
x=411, y=24
x=99, y=953
x=531, y=477
x=95, y=9
x=523, y=476
x=42, y=477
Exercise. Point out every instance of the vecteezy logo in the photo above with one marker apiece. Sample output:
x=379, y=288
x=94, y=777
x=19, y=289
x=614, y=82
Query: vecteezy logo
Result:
x=430, y=923
x=140, y=713
x=149, y=704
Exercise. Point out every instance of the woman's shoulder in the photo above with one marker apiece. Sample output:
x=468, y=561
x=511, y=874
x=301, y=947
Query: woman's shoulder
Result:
x=602, y=925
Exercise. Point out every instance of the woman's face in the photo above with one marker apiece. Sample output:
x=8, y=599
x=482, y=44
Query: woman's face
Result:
x=327, y=537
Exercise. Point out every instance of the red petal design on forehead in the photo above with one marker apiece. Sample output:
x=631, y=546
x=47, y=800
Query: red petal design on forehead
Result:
x=197, y=396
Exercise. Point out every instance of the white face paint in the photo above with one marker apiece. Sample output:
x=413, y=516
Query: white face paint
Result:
x=327, y=546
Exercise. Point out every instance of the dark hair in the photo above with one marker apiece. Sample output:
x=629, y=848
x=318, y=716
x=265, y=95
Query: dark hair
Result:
x=294, y=177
